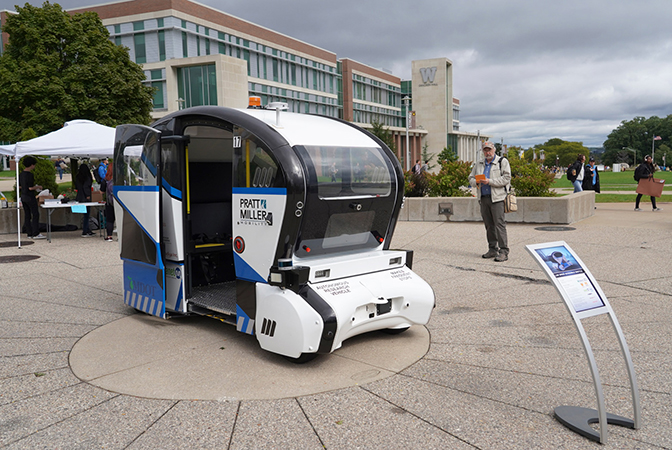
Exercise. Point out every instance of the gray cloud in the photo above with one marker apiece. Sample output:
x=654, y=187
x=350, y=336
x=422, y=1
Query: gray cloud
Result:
x=524, y=70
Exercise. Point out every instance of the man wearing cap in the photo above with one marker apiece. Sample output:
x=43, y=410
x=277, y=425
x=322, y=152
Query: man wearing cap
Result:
x=491, y=177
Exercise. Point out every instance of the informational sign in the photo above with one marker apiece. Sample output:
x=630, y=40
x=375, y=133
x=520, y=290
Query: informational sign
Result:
x=571, y=278
x=584, y=298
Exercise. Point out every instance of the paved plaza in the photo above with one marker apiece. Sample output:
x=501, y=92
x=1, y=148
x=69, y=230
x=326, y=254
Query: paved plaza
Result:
x=81, y=370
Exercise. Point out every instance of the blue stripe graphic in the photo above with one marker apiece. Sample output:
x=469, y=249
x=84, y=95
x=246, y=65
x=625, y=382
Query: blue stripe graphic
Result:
x=245, y=271
x=260, y=191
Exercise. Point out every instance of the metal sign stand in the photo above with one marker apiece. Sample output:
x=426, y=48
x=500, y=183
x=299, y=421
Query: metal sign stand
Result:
x=584, y=298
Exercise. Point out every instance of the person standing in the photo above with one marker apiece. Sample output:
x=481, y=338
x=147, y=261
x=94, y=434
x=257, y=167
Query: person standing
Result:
x=109, y=203
x=492, y=177
x=102, y=169
x=28, y=190
x=575, y=174
x=333, y=171
x=83, y=183
x=417, y=167
x=643, y=171
x=59, y=164
x=591, y=179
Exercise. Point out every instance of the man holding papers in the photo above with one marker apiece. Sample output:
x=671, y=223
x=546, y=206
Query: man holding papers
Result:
x=491, y=177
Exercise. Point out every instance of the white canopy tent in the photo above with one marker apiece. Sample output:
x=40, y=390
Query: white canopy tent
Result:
x=78, y=139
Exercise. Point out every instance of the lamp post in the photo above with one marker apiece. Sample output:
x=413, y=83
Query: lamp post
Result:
x=406, y=101
x=635, y=154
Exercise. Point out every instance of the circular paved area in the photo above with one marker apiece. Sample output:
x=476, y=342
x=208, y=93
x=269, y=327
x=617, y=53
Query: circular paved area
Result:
x=198, y=358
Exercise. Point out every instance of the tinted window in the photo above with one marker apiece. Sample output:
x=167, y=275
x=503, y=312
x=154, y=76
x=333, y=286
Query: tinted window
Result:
x=347, y=172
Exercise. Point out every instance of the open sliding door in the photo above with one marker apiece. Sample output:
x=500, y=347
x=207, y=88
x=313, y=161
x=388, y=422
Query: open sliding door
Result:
x=137, y=190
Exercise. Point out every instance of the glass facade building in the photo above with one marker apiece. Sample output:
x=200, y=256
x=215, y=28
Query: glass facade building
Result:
x=275, y=73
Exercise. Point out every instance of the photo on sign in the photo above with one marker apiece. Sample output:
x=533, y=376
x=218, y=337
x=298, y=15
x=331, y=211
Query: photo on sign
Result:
x=558, y=259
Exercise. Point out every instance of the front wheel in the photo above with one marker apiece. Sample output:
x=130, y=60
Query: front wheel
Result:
x=394, y=330
x=302, y=359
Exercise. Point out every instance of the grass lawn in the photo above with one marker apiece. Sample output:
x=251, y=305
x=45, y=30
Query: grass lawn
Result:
x=616, y=181
x=619, y=181
x=7, y=174
x=629, y=198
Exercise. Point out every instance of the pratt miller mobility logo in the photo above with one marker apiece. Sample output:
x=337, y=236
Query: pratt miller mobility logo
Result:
x=427, y=74
x=253, y=212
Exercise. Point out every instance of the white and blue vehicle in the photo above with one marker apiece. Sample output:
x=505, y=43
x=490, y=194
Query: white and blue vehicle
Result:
x=278, y=223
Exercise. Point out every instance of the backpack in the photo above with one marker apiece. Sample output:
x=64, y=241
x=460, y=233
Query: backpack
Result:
x=571, y=173
x=510, y=201
x=101, y=181
x=638, y=173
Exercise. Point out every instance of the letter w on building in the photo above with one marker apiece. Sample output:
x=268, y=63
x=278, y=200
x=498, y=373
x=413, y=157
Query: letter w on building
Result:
x=428, y=74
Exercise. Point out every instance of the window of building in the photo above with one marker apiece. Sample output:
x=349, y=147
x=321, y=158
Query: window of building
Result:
x=185, y=49
x=197, y=85
x=159, y=23
x=140, y=52
x=246, y=55
x=162, y=45
x=117, y=29
x=158, y=99
x=138, y=26
x=117, y=40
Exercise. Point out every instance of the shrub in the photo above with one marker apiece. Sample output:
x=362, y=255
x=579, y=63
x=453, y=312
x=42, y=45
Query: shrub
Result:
x=415, y=185
x=451, y=181
x=529, y=180
x=44, y=173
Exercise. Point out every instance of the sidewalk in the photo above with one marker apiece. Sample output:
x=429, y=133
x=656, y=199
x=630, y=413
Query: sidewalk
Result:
x=500, y=353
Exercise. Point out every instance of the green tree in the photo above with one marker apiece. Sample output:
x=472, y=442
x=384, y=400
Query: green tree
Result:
x=57, y=67
x=447, y=154
x=638, y=135
x=427, y=158
x=384, y=134
x=558, y=150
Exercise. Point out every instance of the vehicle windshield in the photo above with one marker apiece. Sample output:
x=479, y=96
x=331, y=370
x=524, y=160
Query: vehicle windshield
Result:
x=349, y=171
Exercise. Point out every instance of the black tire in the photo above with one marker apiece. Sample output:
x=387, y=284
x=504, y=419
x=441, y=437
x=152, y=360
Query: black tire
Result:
x=394, y=330
x=304, y=358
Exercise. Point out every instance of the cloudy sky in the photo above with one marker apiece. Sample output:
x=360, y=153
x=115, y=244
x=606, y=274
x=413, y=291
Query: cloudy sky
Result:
x=525, y=71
